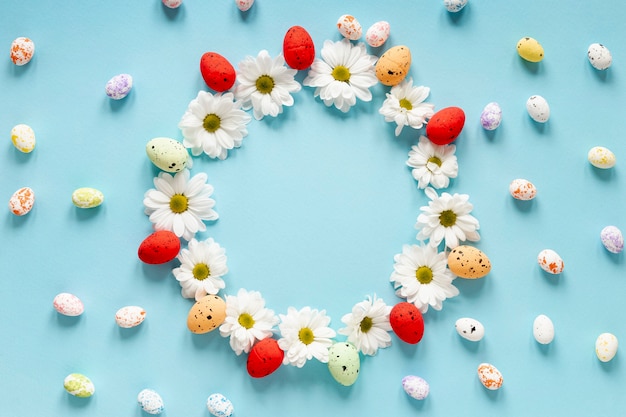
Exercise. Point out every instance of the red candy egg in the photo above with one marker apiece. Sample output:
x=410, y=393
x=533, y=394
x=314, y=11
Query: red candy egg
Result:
x=159, y=247
x=445, y=125
x=217, y=72
x=265, y=357
x=298, y=48
x=407, y=322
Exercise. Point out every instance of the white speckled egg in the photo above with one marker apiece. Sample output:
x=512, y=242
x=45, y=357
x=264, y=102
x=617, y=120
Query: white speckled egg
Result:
x=79, y=385
x=349, y=27
x=601, y=157
x=167, y=154
x=377, y=34
x=244, y=5
x=491, y=116
x=415, y=387
x=219, y=406
x=606, y=347
x=150, y=401
x=522, y=189
x=454, y=5
x=599, y=56
x=22, y=201
x=130, y=316
x=612, y=239
x=543, y=329
x=344, y=363
x=490, y=376
x=23, y=138
x=538, y=109
x=68, y=304
x=119, y=86
x=550, y=261
x=470, y=329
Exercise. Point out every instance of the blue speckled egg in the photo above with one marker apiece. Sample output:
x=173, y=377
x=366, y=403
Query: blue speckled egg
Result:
x=219, y=406
x=344, y=363
x=150, y=401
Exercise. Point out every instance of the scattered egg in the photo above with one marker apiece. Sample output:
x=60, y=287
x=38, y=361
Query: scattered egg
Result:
x=599, y=56
x=415, y=387
x=219, y=406
x=606, y=347
x=344, y=363
x=393, y=66
x=550, y=261
x=68, y=304
x=490, y=376
x=172, y=4
x=530, y=49
x=167, y=154
x=244, y=5
x=349, y=27
x=130, y=316
x=158, y=248
x=538, y=109
x=150, y=401
x=298, y=48
x=543, y=329
x=521, y=189
x=22, y=201
x=612, y=239
x=468, y=262
x=470, y=329
x=445, y=125
x=23, y=138
x=79, y=385
x=87, y=197
x=264, y=358
x=454, y=5
x=377, y=34
x=601, y=157
x=491, y=116
x=407, y=322
x=217, y=72
x=207, y=314
x=22, y=51
x=119, y=86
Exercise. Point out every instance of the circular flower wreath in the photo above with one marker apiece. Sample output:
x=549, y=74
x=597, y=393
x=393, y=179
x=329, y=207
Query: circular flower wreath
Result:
x=215, y=124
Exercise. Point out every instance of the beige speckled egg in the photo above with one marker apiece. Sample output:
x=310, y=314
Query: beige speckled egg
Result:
x=393, y=66
x=468, y=262
x=601, y=157
x=207, y=314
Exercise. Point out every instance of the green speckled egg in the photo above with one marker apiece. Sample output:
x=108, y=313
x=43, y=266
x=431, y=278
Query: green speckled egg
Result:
x=79, y=385
x=167, y=154
x=87, y=197
x=344, y=363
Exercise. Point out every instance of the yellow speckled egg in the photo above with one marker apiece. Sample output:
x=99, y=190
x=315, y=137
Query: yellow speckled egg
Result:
x=468, y=262
x=601, y=157
x=23, y=138
x=207, y=314
x=530, y=49
x=393, y=66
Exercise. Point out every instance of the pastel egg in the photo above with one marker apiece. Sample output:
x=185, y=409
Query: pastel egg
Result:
x=150, y=401
x=530, y=49
x=407, y=322
x=349, y=27
x=393, y=66
x=244, y=5
x=538, y=109
x=207, y=314
x=22, y=201
x=490, y=376
x=68, y=304
x=217, y=72
x=470, y=329
x=521, y=189
x=23, y=138
x=445, y=125
x=87, y=197
x=599, y=56
x=612, y=239
x=377, y=34
x=344, y=363
x=454, y=5
x=119, y=86
x=543, y=329
x=468, y=262
x=415, y=387
x=219, y=406
x=298, y=48
x=158, y=248
x=79, y=385
x=550, y=261
x=130, y=316
x=22, y=51
x=491, y=116
x=172, y=4
x=167, y=154
x=606, y=347
x=601, y=157
x=264, y=358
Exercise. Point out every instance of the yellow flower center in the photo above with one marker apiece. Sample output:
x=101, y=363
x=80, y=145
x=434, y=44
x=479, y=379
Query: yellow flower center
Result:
x=424, y=274
x=246, y=320
x=447, y=218
x=406, y=104
x=265, y=84
x=341, y=73
x=366, y=324
x=211, y=122
x=201, y=271
x=306, y=335
x=179, y=203
x=435, y=160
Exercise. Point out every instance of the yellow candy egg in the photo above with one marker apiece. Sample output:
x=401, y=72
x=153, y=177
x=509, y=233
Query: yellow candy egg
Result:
x=23, y=138
x=207, y=314
x=393, y=66
x=530, y=49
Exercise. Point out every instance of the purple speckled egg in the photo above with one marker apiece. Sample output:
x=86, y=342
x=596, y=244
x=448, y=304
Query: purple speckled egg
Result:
x=119, y=86
x=612, y=239
x=416, y=387
x=491, y=116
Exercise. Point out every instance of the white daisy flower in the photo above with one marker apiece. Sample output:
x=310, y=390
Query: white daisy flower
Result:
x=179, y=204
x=214, y=124
x=247, y=320
x=368, y=325
x=447, y=217
x=345, y=74
x=432, y=164
x=422, y=277
x=265, y=85
x=202, y=266
x=405, y=106
x=305, y=335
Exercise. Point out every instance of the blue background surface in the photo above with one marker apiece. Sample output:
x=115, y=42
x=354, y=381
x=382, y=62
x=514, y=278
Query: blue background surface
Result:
x=313, y=207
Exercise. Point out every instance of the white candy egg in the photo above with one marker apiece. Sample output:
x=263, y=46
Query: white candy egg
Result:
x=543, y=329
x=377, y=34
x=130, y=316
x=415, y=387
x=606, y=347
x=150, y=401
x=612, y=239
x=538, y=109
x=550, y=261
x=219, y=406
x=470, y=329
x=601, y=157
x=599, y=56
x=68, y=304
x=454, y=5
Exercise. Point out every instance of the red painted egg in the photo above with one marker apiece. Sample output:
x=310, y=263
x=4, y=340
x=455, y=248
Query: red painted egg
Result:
x=159, y=247
x=298, y=48
x=407, y=322
x=217, y=72
x=265, y=357
x=445, y=125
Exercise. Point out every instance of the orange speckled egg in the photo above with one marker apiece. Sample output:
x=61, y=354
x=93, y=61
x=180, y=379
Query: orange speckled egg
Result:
x=393, y=66
x=550, y=261
x=521, y=189
x=207, y=314
x=468, y=262
x=490, y=376
x=21, y=202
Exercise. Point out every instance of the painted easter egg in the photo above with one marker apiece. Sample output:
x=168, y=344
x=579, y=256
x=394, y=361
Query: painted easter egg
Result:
x=470, y=329
x=377, y=34
x=344, y=363
x=445, y=125
x=22, y=201
x=454, y=6
x=407, y=322
x=612, y=239
x=601, y=157
x=150, y=401
x=79, y=385
x=207, y=314
x=167, y=154
x=172, y=4
x=543, y=329
x=158, y=248
x=606, y=347
x=491, y=116
x=599, y=56
x=219, y=406
x=521, y=189
x=415, y=387
x=349, y=27
x=550, y=261
x=468, y=262
x=244, y=5
x=23, y=138
x=538, y=109
x=217, y=72
x=130, y=316
x=22, y=50
x=530, y=49
x=87, y=197
x=298, y=48
x=119, y=86
x=264, y=358
x=68, y=304
x=490, y=376
x=393, y=66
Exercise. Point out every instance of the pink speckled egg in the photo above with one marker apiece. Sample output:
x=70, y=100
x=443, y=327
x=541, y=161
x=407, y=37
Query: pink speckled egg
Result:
x=377, y=34
x=172, y=4
x=68, y=304
x=349, y=27
x=550, y=261
x=522, y=189
x=244, y=5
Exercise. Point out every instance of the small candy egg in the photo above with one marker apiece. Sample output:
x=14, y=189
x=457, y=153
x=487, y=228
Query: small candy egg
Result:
x=599, y=56
x=119, y=86
x=550, y=261
x=468, y=262
x=167, y=154
x=22, y=201
x=217, y=72
x=491, y=117
x=445, y=125
x=68, y=304
x=612, y=239
x=407, y=322
x=79, y=385
x=393, y=66
x=172, y=4
x=22, y=51
x=529, y=49
x=543, y=329
x=264, y=358
x=377, y=34
x=344, y=363
x=415, y=387
x=130, y=316
x=298, y=48
x=150, y=401
x=470, y=329
x=349, y=27
x=606, y=347
x=454, y=5
x=538, y=109
x=219, y=406
x=490, y=376
x=244, y=5
x=158, y=248
x=207, y=314
x=521, y=189
x=23, y=138
x=87, y=197
x=601, y=157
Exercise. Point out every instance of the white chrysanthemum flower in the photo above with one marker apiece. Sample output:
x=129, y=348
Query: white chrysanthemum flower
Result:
x=432, y=164
x=346, y=73
x=447, y=217
x=368, y=325
x=305, y=335
x=202, y=266
x=405, y=106
x=422, y=277
x=247, y=320
x=265, y=85
x=180, y=204
x=214, y=124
